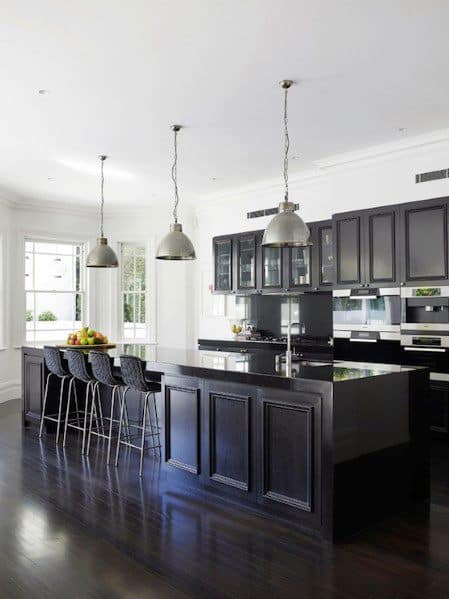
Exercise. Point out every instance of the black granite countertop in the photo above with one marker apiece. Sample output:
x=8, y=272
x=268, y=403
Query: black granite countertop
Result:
x=259, y=364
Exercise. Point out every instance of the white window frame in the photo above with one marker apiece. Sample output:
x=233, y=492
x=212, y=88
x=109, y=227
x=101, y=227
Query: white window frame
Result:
x=150, y=296
x=83, y=279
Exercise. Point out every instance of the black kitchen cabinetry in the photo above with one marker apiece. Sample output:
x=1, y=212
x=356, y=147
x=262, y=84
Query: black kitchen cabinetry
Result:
x=367, y=247
x=246, y=252
x=424, y=242
x=242, y=265
x=33, y=381
x=322, y=252
x=223, y=251
x=439, y=408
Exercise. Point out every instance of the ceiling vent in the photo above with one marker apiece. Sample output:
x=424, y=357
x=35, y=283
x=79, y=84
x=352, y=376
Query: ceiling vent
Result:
x=265, y=212
x=432, y=176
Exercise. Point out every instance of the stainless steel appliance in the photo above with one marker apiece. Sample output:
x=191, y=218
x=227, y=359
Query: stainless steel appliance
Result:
x=425, y=319
x=367, y=314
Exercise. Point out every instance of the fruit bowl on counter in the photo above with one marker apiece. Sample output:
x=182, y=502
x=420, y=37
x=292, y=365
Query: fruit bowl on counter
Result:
x=87, y=338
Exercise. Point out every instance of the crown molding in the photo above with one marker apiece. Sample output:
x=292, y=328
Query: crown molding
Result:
x=407, y=145
x=54, y=207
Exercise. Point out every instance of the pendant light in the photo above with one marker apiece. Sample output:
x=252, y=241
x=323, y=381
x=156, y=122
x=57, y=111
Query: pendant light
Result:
x=286, y=229
x=102, y=255
x=175, y=245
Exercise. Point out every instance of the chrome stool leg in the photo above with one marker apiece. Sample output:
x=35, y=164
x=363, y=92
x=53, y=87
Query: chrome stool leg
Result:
x=144, y=417
x=61, y=395
x=114, y=391
x=90, y=389
x=122, y=404
x=71, y=384
x=44, y=406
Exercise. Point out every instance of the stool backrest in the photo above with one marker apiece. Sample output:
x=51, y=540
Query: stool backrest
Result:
x=101, y=368
x=53, y=361
x=132, y=373
x=77, y=365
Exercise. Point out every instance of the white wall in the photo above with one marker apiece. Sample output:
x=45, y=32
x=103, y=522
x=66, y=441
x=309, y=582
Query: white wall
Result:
x=171, y=283
x=375, y=177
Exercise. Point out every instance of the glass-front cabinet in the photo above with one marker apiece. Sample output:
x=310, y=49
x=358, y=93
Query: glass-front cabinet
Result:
x=223, y=256
x=326, y=256
x=299, y=267
x=271, y=263
x=246, y=262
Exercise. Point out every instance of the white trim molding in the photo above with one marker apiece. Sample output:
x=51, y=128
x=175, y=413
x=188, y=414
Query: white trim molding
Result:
x=10, y=390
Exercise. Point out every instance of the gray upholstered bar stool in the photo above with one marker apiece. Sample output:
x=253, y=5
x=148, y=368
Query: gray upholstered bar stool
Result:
x=102, y=371
x=53, y=362
x=78, y=369
x=134, y=378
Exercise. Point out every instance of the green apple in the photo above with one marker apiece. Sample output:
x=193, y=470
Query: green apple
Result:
x=83, y=341
x=91, y=341
x=91, y=333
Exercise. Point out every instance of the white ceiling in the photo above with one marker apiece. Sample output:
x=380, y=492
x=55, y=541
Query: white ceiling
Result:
x=118, y=73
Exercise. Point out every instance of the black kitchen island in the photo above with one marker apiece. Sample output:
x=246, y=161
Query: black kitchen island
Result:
x=329, y=449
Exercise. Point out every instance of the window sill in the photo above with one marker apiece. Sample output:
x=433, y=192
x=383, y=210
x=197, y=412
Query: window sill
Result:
x=135, y=342
x=4, y=348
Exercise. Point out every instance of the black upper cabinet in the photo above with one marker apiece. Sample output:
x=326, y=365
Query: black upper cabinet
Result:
x=246, y=261
x=223, y=264
x=322, y=251
x=270, y=263
x=298, y=273
x=381, y=246
x=367, y=248
x=424, y=241
x=348, y=249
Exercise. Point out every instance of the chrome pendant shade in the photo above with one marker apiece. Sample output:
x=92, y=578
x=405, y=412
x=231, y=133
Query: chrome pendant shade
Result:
x=102, y=255
x=286, y=229
x=175, y=245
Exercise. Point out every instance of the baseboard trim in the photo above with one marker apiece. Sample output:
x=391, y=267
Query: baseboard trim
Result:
x=10, y=390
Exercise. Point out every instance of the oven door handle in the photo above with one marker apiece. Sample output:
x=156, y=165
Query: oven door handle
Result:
x=363, y=340
x=429, y=349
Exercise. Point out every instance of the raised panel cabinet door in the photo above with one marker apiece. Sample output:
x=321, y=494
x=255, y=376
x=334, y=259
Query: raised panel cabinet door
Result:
x=229, y=439
x=246, y=262
x=289, y=452
x=382, y=247
x=33, y=384
x=348, y=250
x=182, y=426
x=222, y=249
x=439, y=407
x=426, y=243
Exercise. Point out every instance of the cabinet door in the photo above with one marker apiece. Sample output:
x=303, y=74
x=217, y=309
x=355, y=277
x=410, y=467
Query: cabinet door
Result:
x=271, y=268
x=222, y=249
x=425, y=241
x=246, y=248
x=439, y=406
x=289, y=453
x=348, y=245
x=299, y=267
x=32, y=384
x=381, y=246
x=323, y=272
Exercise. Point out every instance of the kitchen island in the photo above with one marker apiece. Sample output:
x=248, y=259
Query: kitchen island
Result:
x=330, y=449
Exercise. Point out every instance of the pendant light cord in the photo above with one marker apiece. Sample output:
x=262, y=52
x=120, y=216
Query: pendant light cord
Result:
x=174, y=173
x=286, y=145
x=102, y=159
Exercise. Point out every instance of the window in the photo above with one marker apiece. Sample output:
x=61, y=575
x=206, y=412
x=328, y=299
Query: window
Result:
x=134, y=304
x=55, y=289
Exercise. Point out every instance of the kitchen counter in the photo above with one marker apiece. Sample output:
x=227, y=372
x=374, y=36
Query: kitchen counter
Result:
x=328, y=449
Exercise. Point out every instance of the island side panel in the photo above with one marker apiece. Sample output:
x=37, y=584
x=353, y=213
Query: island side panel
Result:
x=380, y=448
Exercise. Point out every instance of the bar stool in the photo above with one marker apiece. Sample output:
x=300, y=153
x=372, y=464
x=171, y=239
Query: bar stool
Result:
x=53, y=362
x=79, y=372
x=102, y=371
x=134, y=379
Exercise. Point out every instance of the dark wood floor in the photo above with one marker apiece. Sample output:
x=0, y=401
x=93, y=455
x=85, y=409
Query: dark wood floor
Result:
x=71, y=527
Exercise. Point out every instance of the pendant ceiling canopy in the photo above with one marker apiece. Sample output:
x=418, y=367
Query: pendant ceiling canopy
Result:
x=175, y=245
x=102, y=255
x=286, y=229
